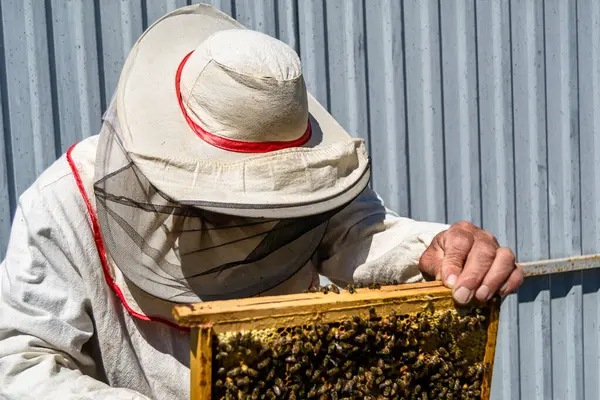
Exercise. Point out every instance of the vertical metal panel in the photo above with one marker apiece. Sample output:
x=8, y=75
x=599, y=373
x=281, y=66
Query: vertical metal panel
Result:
x=485, y=110
x=118, y=25
x=424, y=109
x=28, y=96
x=347, y=65
x=387, y=107
x=260, y=15
x=567, y=340
x=529, y=116
x=591, y=334
x=495, y=119
x=287, y=23
x=157, y=8
x=227, y=6
x=312, y=27
x=5, y=197
x=588, y=34
x=76, y=72
x=460, y=109
x=563, y=132
x=535, y=339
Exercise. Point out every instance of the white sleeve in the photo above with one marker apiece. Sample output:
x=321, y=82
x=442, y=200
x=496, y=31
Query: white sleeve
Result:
x=366, y=242
x=45, y=317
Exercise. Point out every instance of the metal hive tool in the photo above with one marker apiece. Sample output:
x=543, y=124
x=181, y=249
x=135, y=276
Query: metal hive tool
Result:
x=393, y=342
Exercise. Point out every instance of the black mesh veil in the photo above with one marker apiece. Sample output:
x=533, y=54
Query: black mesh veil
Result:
x=182, y=253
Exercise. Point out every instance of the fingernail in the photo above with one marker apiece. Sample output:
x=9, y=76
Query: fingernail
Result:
x=483, y=293
x=463, y=295
x=451, y=280
x=503, y=289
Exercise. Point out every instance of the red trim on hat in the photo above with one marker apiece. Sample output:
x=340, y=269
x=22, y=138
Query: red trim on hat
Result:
x=230, y=144
x=102, y=254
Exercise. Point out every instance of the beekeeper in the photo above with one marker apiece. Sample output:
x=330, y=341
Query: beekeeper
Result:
x=215, y=175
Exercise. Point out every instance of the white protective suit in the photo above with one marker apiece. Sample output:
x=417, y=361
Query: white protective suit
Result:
x=66, y=334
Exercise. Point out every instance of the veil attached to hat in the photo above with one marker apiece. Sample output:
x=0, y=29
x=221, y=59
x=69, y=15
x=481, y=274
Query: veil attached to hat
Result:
x=182, y=253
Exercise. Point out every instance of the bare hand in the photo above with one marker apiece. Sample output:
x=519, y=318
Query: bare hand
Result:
x=470, y=261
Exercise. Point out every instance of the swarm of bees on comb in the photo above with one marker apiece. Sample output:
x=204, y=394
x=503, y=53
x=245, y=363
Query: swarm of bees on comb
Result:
x=418, y=356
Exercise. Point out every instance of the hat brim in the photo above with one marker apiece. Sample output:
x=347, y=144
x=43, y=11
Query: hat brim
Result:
x=330, y=170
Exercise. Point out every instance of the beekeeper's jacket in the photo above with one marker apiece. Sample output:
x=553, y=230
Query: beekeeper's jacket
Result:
x=67, y=331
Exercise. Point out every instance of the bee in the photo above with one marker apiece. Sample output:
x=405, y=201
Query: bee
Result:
x=324, y=289
x=252, y=373
x=347, y=335
x=225, y=347
x=219, y=383
x=221, y=355
x=295, y=368
x=443, y=352
x=329, y=336
x=322, y=390
x=277, y=390
x=263, y=364
x=338, y=386
x=290, y=360
x=471, y=371
x=360, y=339
x=334, y=289
x=234, y=372
x=327, y=360
x=317, y=347
x=333, y=371
x=231, y=387
x=472, y=324
x=420, y=362
x=255, y=394
x=348, y=386
x=245, y=381
x=385, y=384
x=456, y=385
x=296, y=348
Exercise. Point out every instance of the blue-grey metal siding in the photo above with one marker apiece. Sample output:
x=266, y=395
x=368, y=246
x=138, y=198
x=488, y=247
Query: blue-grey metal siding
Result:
x=483, y=110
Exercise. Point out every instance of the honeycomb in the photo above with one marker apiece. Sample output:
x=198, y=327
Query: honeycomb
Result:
x=424, y=355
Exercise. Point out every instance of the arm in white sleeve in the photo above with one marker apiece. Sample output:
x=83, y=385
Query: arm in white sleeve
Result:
x=45, y=316
x=366, y=242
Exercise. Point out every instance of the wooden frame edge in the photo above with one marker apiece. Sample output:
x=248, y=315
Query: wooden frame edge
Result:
x=201, y=358
x=490, y=348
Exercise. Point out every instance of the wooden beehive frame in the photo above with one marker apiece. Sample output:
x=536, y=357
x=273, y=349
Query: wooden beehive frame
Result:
x=210, y=318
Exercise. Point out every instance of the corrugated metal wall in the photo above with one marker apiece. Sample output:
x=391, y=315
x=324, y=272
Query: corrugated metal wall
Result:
x=482, y=110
